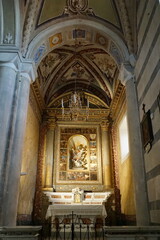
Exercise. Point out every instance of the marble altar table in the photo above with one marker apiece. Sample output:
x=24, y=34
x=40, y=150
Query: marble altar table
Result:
x=78, y=209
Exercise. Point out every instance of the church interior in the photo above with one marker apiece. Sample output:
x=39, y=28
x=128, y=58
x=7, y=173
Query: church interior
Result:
x=80, y=111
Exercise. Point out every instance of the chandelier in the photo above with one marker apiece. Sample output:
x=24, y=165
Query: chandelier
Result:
x=75, y=103
x=75, y=107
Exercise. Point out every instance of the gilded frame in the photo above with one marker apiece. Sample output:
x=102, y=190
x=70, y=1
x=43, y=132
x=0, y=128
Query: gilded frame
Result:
x=62, y=176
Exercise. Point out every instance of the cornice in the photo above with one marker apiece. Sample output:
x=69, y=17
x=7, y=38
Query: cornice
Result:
x=38, y=96
x=95, y=115
x=34, y=104
x=118, y=99
x=12, y=58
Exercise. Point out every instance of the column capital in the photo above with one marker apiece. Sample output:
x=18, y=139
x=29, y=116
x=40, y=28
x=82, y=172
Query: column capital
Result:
x=104, y=125
x=14, y=60
x=9, y=65
x=9, y=54
x=51, y=124
x=28, y=70
x=126, y=73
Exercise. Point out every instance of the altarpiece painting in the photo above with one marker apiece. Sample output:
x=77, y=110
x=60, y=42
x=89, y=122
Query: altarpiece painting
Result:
x=78, y=152
x=78, y=156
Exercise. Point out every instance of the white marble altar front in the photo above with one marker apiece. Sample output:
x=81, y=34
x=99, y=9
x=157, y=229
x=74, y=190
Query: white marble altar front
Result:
x=92, y=205
x=78, y=209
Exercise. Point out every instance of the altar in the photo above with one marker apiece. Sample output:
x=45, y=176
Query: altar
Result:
x=85, y=204
x=93, y=210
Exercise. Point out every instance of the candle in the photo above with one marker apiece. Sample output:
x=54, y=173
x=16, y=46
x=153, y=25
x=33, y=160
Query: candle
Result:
x=62, y=103
x=87, y=102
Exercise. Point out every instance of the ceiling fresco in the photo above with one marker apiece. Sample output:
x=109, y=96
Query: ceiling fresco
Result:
x=77, y=58
x=80, y=36
x=77, y=72
x=53, y=9
x=77, y=44
x=48, y=65
x=85, y=67
x=105, y=64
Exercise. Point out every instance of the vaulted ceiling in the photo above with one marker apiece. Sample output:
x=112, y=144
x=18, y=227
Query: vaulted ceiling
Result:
x=72, y=59
x=85, y=68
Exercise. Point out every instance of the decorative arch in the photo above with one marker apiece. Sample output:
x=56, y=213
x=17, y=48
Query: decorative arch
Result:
x=109, y=40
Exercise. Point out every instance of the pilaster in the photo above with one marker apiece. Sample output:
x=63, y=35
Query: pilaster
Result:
x=40, y=178
x=106, y=155
x=49, y=162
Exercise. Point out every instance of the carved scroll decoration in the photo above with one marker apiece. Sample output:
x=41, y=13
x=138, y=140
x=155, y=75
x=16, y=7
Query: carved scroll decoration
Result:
x=77, y=7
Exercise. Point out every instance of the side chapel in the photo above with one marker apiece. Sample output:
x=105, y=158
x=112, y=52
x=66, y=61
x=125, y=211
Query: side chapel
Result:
x=79, y=110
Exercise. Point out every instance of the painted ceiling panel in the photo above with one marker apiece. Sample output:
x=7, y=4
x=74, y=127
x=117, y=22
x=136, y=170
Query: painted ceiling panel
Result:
x=54, y=8
x=51, y=9
x=105, y=63
x=87, y=66
x=77, y=71
x=50, y=62
x=48, y=65
x=105, y=10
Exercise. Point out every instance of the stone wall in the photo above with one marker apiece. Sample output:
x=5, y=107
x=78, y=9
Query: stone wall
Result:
x=148, y=86
x=29, y=167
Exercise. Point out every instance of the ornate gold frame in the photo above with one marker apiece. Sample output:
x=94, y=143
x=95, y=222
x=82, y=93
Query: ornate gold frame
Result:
x=83, y=126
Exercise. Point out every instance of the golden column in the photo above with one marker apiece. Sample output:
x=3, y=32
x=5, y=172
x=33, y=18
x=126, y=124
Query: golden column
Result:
x=106, y=165
x=50, y=135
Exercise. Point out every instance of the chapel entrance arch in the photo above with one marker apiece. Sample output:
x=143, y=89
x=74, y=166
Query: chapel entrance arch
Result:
x=103, y=37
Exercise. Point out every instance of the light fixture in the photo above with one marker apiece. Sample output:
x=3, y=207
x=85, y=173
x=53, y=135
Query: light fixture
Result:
x=75, y=107
x=75, y=101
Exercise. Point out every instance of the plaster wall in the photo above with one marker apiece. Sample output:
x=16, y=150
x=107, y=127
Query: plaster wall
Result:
x=29, y=166
x=125, y=176
x=126, y=188
x=148, y=87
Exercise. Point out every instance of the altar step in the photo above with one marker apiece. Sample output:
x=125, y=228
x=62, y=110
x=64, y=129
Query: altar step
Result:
x=20, y=233
x=109, y=233
x=76, y=236
x=76, y=232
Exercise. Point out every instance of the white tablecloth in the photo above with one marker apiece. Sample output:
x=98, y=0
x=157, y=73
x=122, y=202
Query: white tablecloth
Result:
x=78, y=209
